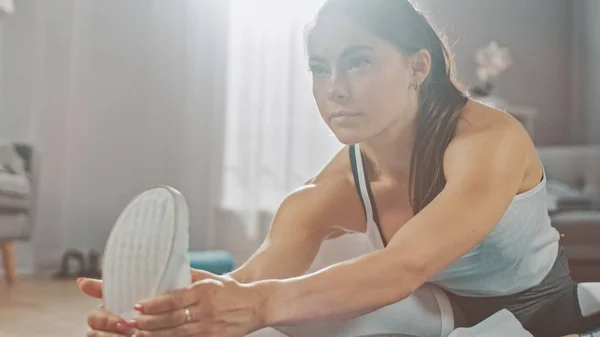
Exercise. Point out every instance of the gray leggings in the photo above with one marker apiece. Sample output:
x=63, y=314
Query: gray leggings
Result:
x=551, y=308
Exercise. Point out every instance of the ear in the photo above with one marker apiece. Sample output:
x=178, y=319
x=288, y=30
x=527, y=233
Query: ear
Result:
x=420, y=64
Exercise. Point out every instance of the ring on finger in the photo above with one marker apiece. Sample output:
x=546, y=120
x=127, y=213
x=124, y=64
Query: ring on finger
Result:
x=188, y=315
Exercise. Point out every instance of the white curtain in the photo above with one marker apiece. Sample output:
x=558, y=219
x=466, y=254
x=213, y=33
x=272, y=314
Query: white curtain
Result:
x=115, y=96
x=275, y=138
x=118, y=95
x=7, y=7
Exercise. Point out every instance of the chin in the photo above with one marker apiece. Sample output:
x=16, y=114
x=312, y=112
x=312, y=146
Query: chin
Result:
x=348, y=137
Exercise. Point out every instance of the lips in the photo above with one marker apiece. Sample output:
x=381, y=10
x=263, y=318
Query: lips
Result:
x=344, y=118
x=343, y=113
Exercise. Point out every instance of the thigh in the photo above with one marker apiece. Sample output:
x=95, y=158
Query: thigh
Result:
x=470, y=311
x=425, y=313
x=563, y=317
x=527, y=306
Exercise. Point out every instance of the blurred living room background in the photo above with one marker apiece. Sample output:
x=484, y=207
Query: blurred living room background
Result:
x=101, y=99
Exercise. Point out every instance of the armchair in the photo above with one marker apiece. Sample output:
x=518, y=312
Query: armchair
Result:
x=16, y=203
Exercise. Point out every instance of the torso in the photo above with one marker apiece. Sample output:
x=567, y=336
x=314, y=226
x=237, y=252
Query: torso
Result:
x=390, y=193
x=390, y=199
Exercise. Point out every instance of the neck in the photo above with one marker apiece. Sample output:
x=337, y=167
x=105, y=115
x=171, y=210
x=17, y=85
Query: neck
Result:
x=389, y=152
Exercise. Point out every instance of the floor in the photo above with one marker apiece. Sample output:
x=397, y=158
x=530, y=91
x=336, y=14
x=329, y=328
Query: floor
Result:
x=44, y=307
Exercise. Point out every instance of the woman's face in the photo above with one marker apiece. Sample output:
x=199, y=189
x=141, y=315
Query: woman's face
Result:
x=362, y=84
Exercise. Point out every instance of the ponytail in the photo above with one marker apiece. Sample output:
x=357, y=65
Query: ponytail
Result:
x=440, y=105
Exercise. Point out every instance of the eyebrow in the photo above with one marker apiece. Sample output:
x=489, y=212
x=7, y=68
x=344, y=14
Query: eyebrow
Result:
x=354, y=49
x=348, y=51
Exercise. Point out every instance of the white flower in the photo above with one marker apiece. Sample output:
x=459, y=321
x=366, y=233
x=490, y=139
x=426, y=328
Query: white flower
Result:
x=492, y=61
x=482, y=74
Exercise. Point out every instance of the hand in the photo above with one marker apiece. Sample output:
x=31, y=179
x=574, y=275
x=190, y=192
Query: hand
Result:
x=102, y=323
x=105, y=324
x=217, y=306
x=93, y=287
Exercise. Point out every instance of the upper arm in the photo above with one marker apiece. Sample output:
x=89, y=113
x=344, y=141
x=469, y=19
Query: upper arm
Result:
x=484, y=172
x=306, y=217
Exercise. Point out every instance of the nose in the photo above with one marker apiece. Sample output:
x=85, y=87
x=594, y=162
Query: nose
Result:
x=338, y=91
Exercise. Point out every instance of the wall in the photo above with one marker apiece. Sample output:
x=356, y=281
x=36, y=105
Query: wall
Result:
x=538, y=33
x=591, y=69
x=17, y=60
x=115, y=96
x=18, y=53
x=81, y=77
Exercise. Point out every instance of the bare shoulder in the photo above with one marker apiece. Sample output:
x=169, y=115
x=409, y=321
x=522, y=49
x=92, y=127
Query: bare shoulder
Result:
x=337, y=170
x=481, y=126
x=495, y=139
x=329, y=200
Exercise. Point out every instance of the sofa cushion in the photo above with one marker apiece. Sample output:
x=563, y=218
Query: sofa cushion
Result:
x=14, y=226
x=561, y=197
x=577, y=166
x=12, y=203
x=10, y=158
x=14, y=185
x=556, y=191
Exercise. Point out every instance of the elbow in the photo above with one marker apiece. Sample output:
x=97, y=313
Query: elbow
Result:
x=400, y=287
x=412, y=279
x=408, y=275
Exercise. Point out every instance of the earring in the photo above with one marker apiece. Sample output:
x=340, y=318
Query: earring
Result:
x=415, y=85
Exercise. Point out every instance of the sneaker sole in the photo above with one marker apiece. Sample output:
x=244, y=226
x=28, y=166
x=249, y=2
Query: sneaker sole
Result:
x=147, y=250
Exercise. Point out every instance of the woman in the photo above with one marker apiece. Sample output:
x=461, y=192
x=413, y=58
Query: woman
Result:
x=448, y=190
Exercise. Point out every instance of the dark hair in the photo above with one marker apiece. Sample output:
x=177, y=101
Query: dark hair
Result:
x=440, y=100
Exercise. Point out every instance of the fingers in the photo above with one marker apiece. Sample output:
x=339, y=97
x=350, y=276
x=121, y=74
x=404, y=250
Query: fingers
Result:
x=102, y=320
x=94, y=333
x=172, y=301
x=167, y=320
x=162, y=333
x=93, y=288
x=199, y=275
x=90, y=287
x=188, y=330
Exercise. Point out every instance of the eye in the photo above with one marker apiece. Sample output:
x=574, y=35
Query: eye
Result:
x=318, y=69
x=357, y=62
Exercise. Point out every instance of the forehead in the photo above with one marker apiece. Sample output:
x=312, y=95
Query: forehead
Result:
x=333, y=34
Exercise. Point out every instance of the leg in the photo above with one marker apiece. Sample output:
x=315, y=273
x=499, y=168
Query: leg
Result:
x=426, y=313
x=588, y=303
x=556, y=307
x=8, y=259
x=576, y=312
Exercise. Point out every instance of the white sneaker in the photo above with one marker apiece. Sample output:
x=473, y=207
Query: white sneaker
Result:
x=588, y=294
x=147, y=251
x=502, y=323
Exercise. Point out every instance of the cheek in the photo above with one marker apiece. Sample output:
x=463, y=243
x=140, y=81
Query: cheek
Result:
x=320, y=95
x=380, y=92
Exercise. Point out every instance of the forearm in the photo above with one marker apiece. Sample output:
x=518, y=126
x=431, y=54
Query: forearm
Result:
x=344, y=290
x=277, y=262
